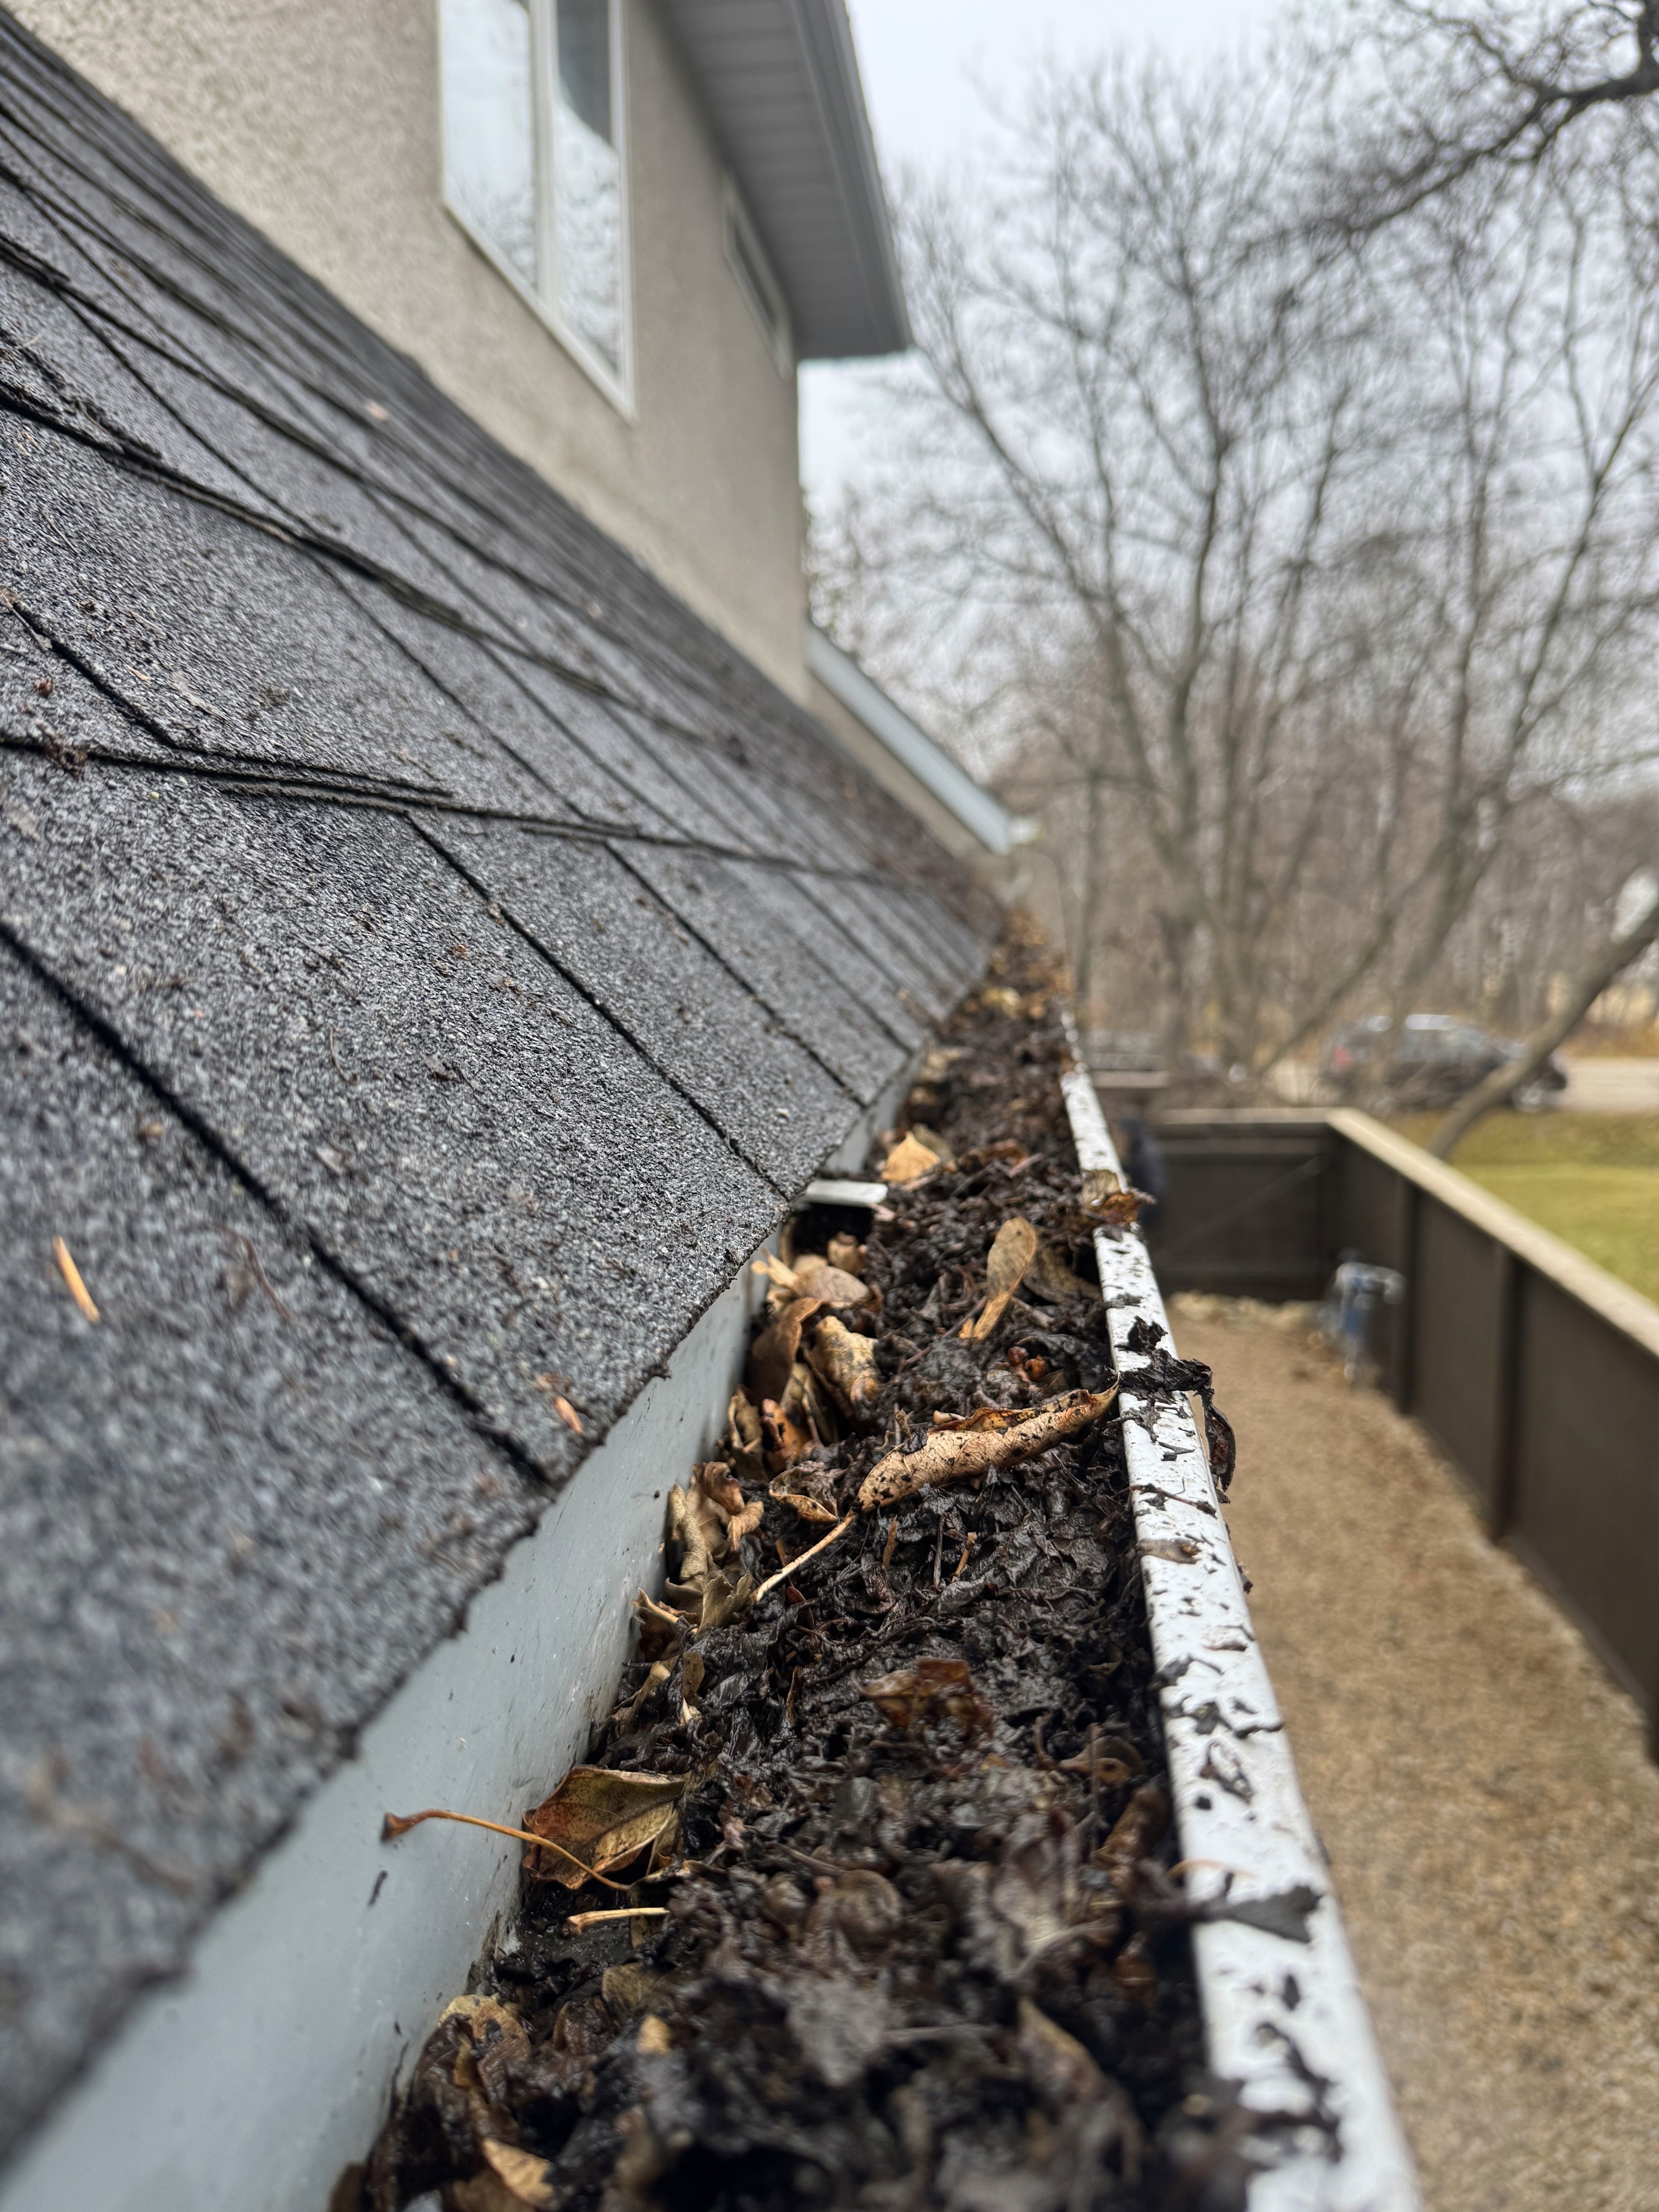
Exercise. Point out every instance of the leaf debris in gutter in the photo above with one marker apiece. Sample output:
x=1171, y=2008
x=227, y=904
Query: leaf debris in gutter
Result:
x=885, y=1785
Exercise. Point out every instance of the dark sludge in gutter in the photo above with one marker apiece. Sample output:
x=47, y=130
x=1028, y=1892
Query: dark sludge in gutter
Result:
x=888, y=1911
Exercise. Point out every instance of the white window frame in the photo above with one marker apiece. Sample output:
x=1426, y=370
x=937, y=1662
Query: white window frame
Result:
x=746, y=257
x=617, y=384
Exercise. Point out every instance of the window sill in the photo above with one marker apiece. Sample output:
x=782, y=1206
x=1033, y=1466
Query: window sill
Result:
x=617, y=389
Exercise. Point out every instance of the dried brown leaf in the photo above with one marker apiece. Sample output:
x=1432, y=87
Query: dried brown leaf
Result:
x=778, y=1273
x=956, y=1454
x=529, y=2179
x=661, y=1628
x=787, y=1436
x=818, y=1280
x=776, y=1349
x=847, y=1254
x=723, y=1599
x=1139, y=1829
x=1061, y=2069
x=846, y=1362
x=743, y=1420
x=742, y=1445
x=938, y=1146
x=625, y=1715
x=603, y=1818
x=715, y=1477
x=932, y=1689
x=788, y=1491
x=1048, y=1278
x=805, y=1398
x=698, y=1528
x=1012, y=1252
x=908, y=1162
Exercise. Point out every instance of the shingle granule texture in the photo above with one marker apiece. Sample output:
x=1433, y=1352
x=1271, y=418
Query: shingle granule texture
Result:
x=430, y=959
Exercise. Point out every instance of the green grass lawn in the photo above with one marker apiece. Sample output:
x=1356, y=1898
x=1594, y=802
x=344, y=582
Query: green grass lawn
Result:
x=1593, y=1179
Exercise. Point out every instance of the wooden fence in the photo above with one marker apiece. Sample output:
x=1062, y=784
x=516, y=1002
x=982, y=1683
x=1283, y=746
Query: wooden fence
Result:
x=1535, y=1371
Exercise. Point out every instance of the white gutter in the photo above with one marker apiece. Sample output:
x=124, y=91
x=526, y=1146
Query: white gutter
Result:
x=978, y=813
x=1284, y=2020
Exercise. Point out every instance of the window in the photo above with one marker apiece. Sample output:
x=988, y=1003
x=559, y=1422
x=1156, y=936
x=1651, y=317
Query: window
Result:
x=749, y=265
x=534, y=162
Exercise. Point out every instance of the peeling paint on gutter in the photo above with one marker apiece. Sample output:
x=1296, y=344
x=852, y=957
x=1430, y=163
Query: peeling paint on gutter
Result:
x=1285, y=2019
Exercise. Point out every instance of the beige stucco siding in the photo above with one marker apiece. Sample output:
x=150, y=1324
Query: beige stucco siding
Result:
x=318, y=121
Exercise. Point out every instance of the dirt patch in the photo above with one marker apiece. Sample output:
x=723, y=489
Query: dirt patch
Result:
x=906, y=1933
x=1483, y=1790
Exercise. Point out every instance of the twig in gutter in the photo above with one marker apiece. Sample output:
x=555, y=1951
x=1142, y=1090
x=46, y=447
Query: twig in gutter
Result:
x=801, y=1558
x=617, y=1912
x=399, y=1824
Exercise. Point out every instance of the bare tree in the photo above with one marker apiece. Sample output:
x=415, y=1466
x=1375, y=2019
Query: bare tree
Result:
x=1298, y=583
x=1449, y=92
x=1141, y=440
x=1529, y=570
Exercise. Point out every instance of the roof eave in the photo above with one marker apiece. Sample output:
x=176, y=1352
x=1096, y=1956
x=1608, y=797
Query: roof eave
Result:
x=813, y=187
x=827, y=37
x=981, y=812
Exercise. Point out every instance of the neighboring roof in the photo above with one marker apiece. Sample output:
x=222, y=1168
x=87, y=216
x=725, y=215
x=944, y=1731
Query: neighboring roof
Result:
x=430, y=959
x=979, y=811
x=782, y=81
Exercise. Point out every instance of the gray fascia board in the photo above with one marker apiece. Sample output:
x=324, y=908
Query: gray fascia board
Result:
x=980, y=813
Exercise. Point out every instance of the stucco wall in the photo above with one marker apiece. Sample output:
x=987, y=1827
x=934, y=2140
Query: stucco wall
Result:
x=318, y=121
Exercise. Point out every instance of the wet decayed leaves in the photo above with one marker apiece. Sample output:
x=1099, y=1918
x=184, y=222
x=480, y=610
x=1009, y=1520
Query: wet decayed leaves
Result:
x=886, y=1770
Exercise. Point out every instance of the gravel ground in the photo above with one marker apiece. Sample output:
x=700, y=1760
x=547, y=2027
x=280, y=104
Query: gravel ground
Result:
x=1481, y=1787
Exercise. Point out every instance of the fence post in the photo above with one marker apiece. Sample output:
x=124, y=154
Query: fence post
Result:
x=1503, y=1474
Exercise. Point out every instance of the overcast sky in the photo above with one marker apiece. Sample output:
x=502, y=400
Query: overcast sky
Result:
x=922, y=61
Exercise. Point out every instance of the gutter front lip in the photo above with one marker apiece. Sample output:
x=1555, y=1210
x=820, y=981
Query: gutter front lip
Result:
x=1286, y=2020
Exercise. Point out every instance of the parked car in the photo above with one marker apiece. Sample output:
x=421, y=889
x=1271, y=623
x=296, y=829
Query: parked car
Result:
x=1429, y=1060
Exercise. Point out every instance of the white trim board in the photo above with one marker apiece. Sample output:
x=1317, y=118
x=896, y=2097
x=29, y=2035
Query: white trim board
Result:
x=980, y=812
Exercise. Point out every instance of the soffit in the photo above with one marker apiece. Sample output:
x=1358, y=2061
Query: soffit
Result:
x=781, y=82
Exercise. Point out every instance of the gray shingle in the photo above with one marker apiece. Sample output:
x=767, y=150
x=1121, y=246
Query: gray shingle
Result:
x=226, y=1533
x=336, y=687
x=295, y=976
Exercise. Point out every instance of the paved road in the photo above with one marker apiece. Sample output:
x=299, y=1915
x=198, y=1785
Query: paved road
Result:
x=1491, y=1818
x=1612, y=1086
x=1594, y=1086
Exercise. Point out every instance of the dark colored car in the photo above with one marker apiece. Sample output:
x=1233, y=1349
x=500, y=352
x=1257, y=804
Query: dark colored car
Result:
x=1431, y=1060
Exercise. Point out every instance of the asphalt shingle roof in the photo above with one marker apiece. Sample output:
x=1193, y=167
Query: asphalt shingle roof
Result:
x=429, y=960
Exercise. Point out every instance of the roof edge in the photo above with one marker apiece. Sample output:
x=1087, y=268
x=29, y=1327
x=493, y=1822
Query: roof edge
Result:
x=979, y=811
x=826, y=37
